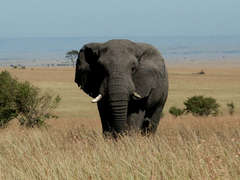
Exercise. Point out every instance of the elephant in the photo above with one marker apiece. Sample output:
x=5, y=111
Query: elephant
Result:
x=128, y=81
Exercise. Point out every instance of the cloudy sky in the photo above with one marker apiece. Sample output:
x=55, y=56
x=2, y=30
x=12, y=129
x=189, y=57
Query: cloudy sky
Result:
x=70, y=18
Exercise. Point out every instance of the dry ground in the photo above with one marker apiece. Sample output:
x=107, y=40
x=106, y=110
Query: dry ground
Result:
x=183, y=148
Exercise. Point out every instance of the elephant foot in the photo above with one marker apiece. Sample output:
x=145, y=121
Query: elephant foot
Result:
x=146, y=126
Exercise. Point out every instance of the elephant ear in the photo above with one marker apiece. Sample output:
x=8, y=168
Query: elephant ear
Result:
x=149, y=71
x=86, y=75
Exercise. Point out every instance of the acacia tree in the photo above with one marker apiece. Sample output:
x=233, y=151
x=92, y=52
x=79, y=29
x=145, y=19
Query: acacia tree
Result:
x=72, y=55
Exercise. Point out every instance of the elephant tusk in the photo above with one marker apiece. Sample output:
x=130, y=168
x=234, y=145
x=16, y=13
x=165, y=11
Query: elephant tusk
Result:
x=135, y=94
x=96, y=99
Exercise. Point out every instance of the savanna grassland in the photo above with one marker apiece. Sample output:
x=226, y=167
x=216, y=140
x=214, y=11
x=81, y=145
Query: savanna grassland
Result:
x=72, y=146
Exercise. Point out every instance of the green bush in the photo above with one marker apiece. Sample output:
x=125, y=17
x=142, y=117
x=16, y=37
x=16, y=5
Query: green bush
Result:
x=25, y=102
x=8, y=89
x=176, y=111
x=33, y=106
x=201, y=106
x=230, y=108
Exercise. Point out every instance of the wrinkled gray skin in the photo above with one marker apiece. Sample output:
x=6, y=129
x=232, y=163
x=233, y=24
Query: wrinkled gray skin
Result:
x=116, y=69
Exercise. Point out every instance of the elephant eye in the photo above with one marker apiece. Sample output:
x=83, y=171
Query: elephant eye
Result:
x=133, y=69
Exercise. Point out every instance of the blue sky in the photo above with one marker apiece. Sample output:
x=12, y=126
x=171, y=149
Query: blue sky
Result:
x=58, y=18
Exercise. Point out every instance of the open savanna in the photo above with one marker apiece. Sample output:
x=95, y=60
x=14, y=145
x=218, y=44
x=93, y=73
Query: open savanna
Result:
x=72, y=146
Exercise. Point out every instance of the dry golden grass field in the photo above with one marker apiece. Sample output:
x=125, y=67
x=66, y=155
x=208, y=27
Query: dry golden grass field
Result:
x=72, y=147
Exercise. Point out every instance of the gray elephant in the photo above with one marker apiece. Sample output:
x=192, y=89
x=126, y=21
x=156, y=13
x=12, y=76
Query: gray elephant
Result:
x=128, y=81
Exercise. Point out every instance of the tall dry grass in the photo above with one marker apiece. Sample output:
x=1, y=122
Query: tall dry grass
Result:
x=183, y=148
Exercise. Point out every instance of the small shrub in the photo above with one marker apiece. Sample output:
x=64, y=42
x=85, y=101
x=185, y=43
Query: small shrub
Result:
x=202, y=106
x=8, y=88
x=25, y=102
x=230, y=108
x=176, y=111
x=33, y=106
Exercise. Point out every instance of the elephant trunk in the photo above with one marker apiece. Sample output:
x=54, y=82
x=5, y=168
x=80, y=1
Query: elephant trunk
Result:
x=119, y=115
x=118, y=101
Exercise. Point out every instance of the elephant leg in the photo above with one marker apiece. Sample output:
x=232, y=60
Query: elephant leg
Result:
x=153, y=112
x=136, y=114
x=135, y=119
x=151, y=120
x=105, y=117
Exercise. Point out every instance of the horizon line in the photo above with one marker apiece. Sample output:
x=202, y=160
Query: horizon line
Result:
x=121, y=36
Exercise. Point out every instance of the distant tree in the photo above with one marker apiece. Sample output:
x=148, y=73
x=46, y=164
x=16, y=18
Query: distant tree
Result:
x=72, y=55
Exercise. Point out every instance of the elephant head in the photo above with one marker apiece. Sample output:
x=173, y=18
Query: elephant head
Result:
x=116, y=72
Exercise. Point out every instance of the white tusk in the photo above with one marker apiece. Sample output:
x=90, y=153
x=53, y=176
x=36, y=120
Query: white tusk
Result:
x=137, y=95
x=96, y=99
